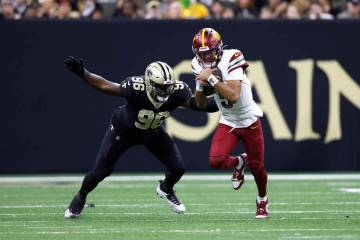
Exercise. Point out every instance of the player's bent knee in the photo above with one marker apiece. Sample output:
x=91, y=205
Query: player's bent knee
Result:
x=216, y=161
x=100, y=173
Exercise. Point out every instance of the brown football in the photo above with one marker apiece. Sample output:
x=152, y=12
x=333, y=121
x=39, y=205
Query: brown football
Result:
x=217, y=73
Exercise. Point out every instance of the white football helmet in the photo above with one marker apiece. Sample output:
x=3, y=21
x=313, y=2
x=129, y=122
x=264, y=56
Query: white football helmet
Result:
x=159, y=80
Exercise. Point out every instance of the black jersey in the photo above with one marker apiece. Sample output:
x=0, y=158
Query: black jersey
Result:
x=141, y=112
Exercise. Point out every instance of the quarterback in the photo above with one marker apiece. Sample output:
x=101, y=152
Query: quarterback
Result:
x=223, y=72
x=150, y=100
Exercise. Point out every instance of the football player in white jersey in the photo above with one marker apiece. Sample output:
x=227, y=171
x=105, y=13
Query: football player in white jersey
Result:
x=224, y=71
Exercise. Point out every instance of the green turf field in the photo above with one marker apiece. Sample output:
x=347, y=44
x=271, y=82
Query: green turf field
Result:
x=300, y=209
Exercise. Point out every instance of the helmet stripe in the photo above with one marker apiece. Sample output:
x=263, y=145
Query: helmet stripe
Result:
x=168, y=70
x=203, y=37
x=163, y=68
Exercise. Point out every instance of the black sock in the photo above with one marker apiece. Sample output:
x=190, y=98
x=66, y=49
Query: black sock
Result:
x=170, y=180
x=88, y=184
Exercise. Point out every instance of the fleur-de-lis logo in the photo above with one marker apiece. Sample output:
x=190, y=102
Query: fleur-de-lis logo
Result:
x=149, y=73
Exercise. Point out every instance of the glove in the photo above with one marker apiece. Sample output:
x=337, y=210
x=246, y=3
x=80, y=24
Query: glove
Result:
x=75, y=65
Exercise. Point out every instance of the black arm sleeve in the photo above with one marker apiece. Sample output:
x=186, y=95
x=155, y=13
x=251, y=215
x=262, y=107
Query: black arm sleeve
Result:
x=210, y=105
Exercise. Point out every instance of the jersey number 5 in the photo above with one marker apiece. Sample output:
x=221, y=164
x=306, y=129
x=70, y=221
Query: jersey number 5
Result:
x=148, y=119
x=224, y=102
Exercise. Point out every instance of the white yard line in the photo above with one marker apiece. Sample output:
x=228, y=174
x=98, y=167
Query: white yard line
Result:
x=319, y=237
x=23, y=223
x=57, y=227
x=152, y=205
x=351, y=211
x=28, y=224
x=350, y=190
x=191, y=177
x=181, y=231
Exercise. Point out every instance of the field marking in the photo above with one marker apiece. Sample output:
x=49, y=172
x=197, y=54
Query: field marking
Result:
x=57, y=227
x=350, y=211
x=181, y=231
x=151, y=205
x=318, y=237
x=189, y=177
x=25, y=224
x=28, y=221
x=350, y=190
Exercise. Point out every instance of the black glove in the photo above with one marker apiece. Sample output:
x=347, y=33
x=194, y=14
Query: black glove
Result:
x=75, y=65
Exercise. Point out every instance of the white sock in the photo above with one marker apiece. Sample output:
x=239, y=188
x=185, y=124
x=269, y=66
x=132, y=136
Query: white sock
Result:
x=240, y=163
x=259, y=199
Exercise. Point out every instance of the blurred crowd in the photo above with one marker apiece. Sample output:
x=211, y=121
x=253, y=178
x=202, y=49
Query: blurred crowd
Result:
x=180, y=9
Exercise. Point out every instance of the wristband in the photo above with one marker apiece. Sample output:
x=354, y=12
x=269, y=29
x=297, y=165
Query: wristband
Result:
x=199, y=87
x=212, y=80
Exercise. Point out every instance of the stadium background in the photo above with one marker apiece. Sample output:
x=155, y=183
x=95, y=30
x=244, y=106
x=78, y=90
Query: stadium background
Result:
x=305, y=75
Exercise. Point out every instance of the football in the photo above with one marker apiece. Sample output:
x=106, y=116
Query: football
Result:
x=217, y=73
x=209, y=90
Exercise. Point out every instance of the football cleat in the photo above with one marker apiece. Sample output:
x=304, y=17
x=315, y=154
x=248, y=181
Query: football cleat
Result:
x=76, y=206
x=262, y=210
x=171, y=198
x=238, y=173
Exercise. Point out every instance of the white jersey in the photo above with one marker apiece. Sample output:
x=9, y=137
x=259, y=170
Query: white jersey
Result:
x=245, y=111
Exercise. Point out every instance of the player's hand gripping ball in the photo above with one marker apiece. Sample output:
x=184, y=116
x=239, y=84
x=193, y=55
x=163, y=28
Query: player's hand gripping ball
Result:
x=209, y=90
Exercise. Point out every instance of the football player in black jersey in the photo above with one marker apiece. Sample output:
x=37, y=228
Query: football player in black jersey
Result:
x=150, y=100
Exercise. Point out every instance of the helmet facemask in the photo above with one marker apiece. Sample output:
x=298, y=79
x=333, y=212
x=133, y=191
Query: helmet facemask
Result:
x=160, y=92
x=210, y=58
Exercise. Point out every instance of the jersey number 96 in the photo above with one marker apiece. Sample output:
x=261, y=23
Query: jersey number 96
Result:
x=148, y=119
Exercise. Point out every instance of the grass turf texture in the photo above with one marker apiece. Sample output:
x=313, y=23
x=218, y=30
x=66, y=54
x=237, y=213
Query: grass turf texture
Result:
x=301, y=209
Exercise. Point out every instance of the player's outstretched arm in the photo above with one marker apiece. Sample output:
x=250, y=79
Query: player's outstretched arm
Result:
x=76, y=66
x=210, y=105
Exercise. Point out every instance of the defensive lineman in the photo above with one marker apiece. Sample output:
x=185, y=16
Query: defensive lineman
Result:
x=150, y=100
x=239, y=113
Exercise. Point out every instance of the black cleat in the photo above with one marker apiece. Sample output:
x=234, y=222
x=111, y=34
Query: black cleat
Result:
x=171, y=198
x=76, y=206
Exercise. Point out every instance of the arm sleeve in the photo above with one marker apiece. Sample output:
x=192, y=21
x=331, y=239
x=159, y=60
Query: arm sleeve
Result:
x=126, y=88
x=210, y=105
x=237, y=74
x=195, y=67
x=237, y=66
